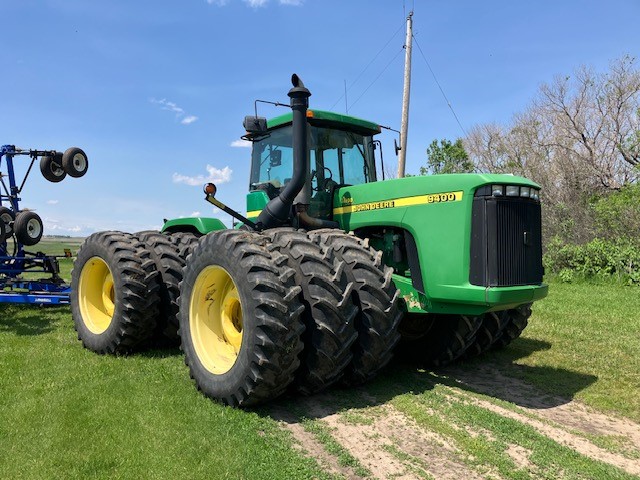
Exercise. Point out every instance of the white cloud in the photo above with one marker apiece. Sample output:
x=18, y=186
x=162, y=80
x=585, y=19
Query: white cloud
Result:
x=240, y=143
x=165, y=104
x=256, y=3
x=52, y=202
x=188, y=120
x=214, y=175
x=55, y=226
x=195, y=214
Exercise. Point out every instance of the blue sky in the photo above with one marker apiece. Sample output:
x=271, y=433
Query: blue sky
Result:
x=155, y=91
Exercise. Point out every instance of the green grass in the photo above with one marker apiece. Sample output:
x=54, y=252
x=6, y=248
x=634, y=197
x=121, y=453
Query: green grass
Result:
x=583, y=341
x=68, y=413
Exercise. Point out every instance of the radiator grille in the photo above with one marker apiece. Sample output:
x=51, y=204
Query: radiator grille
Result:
x=506, y=243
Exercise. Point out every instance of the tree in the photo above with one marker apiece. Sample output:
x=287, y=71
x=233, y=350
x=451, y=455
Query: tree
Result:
x=447, y=157
x=578, y=139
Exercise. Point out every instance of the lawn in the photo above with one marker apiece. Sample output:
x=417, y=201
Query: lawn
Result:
x=69, y=413
x=583, y=340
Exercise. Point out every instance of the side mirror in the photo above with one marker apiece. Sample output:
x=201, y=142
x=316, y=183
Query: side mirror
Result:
x=253, y=124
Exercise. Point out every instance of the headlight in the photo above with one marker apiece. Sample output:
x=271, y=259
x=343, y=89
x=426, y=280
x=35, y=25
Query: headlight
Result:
x=513, y=190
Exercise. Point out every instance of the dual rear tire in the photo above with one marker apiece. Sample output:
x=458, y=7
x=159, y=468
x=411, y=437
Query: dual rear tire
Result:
x=114, y=297
x=240, y=318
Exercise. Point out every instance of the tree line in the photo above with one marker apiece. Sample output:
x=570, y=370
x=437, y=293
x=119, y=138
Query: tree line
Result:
x=579, y=138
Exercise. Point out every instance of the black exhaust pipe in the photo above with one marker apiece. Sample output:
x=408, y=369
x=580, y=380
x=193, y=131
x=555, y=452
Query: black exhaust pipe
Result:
x=278, y=210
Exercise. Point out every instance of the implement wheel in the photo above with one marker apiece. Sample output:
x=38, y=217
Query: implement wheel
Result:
x=7, y=216
x=375, y=295
x=51, y=168
x=74, y=162
x=114, y=293
x=239, y=318
x=28, y=228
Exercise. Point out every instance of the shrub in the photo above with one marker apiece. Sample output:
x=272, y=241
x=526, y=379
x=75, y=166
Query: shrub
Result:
x=598, y=258
x=617, y=215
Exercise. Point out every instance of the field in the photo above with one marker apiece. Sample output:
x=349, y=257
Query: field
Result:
x=561, y=402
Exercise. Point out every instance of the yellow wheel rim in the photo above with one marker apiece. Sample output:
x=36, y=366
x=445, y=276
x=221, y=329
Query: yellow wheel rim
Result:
x=215, y=319
x=96, y=295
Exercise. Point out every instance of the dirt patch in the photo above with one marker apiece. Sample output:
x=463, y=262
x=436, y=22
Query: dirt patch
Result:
x=388, y=444
x=308, y=445
x=520, y=456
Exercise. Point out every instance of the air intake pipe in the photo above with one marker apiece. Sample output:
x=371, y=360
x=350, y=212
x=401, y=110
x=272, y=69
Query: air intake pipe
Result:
x=278, y=210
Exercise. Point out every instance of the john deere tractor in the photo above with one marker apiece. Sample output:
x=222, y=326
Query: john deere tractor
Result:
x=330, y=272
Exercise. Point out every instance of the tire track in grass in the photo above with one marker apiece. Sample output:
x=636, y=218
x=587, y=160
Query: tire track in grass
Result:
x=561, y=436
x=310, y=445
x=307, y=443
x=555, y=422
x=568, y=414
x=381, y=438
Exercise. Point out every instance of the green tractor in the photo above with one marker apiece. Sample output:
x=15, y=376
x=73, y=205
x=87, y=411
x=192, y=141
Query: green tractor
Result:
x=330, y=272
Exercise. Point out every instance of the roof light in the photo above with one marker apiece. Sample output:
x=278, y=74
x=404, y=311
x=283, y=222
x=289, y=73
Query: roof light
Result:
x=525, y=192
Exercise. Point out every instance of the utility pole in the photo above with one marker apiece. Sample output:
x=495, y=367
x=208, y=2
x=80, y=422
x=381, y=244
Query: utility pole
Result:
x=405, y=97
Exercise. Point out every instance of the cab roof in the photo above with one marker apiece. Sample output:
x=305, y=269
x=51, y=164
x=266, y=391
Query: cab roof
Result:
x=323, y=118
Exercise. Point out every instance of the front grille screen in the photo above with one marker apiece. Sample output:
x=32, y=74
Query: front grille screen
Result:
x=506, y=243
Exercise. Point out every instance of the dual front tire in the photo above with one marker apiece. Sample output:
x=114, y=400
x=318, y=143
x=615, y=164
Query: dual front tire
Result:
x=439, y=340
x=240, y=322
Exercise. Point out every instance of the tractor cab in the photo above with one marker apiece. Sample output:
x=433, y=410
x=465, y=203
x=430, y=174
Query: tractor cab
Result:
x=340, y=152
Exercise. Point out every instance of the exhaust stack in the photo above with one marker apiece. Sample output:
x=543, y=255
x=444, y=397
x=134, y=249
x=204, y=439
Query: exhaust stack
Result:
x=278, y=210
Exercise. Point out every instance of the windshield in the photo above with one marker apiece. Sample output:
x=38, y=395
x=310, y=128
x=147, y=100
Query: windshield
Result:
x=337, y=157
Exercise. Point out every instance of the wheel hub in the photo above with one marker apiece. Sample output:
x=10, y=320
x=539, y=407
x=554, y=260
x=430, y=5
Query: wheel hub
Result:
x=215, y=320
x=96, y=295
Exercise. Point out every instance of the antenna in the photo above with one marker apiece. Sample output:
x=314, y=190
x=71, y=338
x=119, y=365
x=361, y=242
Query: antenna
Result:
x=346, y=104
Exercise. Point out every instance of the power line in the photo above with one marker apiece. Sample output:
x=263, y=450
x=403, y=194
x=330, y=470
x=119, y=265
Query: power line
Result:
x=379, y=75
x=368, y=65
x=440, y=87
